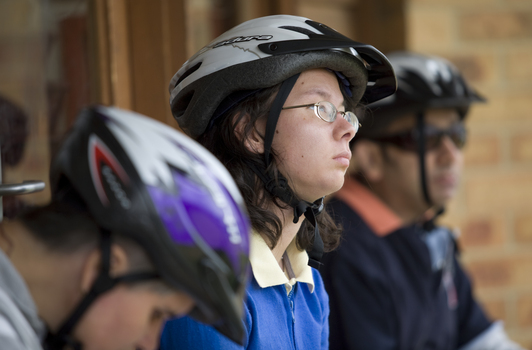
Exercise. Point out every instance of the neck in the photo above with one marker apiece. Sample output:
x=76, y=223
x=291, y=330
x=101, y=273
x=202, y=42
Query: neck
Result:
x=396, y=202
x=50, y=277
x=288, y=234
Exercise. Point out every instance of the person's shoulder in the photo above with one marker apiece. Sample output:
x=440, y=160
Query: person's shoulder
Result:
x=9, y=338
x=338, y=208
x=188, y=333
x=352, y=224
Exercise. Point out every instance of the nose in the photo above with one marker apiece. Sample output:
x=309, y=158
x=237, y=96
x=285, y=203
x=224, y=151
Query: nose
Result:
x=343, y=128
x=150, y=339
x=448, y=151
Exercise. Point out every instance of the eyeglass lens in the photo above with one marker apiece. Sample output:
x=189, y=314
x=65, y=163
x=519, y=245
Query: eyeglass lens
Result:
x=433, y=137
x=328, y=112
x=456, y=133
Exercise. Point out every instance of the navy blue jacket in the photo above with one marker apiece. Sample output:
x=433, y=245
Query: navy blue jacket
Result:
x=385, y=293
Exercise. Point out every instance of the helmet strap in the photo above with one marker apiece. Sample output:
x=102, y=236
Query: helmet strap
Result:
x=279, y=187
x=275, y=112
x=103, y=283
x=420, y=124
x=311, y=211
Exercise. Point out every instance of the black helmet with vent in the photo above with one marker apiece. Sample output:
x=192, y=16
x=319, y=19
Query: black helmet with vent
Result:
x=423, y=82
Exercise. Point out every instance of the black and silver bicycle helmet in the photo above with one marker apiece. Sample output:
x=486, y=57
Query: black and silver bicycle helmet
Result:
x=146, y=181
x=266, y=51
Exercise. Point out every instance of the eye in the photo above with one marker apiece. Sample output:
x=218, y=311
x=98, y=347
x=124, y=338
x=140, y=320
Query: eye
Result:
x=327, y=111
x=157, y=315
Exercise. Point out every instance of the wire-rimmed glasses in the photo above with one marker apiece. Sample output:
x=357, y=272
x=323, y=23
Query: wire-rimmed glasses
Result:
x=326, y=111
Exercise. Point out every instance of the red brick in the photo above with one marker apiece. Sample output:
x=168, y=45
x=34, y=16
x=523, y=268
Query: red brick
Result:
x=495, y=308
x=521, y=148
x=518, y=67
x=497, y=193
x=524, y=310
x=334, y=16
x=503, y=273
x=496, y=25
x=523, y=228
x=482, y=232
x=521, y=336
x=503, y=107
x=482, y=150
x=429, y=29
x=479, y=67
x=492, y=273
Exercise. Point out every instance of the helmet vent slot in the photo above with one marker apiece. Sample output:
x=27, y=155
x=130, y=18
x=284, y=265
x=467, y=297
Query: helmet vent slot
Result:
x=188, y=72
x=299, y=30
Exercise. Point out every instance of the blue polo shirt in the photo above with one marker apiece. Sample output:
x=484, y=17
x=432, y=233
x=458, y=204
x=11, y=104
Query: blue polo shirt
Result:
x=283, y=310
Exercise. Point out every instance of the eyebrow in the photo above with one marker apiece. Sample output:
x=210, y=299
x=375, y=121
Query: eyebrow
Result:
x=325, y=95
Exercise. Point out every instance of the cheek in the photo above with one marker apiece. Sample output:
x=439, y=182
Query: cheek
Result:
x=113, y=322
x=300, y=142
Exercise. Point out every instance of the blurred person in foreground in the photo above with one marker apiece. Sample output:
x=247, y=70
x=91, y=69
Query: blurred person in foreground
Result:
x=144, y=225
x=395, y=281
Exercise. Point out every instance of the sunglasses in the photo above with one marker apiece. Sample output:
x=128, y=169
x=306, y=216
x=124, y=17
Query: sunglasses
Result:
x=409, y=140
x=326, y=111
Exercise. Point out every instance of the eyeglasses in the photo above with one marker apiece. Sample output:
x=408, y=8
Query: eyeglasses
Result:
x=326, y=111
x=433, y=137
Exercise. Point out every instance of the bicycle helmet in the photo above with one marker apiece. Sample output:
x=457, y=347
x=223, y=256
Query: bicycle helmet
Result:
x=148, y=182
x=266, y=51
x=262, y=53
x=423, y=82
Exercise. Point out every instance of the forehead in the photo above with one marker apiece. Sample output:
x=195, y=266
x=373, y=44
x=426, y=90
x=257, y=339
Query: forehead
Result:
x=317, y=82
x=441, y=118
x=172, y=301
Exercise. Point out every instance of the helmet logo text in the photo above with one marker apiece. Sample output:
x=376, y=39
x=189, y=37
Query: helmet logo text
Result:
x=240, y=39
x=115, y=186
x=102, y=162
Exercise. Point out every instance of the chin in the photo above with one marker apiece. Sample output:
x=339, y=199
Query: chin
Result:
x=334, y=186
x=442, y=200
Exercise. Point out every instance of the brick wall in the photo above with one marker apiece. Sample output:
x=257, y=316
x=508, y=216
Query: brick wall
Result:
x=491, y=41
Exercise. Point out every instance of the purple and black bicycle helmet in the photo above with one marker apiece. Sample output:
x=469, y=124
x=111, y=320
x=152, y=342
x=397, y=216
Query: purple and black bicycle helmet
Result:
x=148, y=182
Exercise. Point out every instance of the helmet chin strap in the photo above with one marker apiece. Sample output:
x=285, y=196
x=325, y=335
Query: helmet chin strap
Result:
x=279, y=187
x=63, y=339
x=420, y=125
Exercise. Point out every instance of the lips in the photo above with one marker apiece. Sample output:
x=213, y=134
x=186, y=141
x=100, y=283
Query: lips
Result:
x=343, y=158
x=447, y=180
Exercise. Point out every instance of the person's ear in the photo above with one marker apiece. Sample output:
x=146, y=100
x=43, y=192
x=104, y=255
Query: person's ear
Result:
x=369, y=159
x=254, y=141
x=91, y=267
